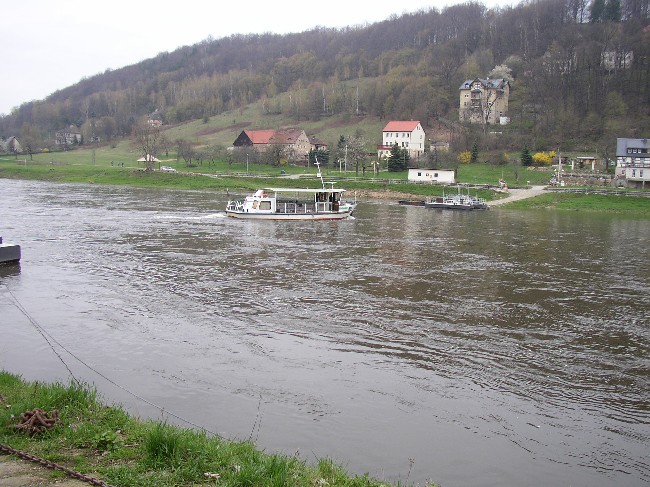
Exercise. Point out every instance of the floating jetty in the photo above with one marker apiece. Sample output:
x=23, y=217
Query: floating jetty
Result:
x=9, y=253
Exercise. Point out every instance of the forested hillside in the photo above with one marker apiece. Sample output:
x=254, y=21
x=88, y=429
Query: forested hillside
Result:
x=580, y=75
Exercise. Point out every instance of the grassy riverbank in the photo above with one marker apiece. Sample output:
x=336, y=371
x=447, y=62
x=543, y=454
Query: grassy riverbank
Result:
x=219, y=179
x=597, y=203
x=73, y=167
x=106, y=443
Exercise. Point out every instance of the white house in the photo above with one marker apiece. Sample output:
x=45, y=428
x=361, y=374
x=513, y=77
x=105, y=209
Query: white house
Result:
x=407, y=135
x=10, y=145
x=633, y=161
x=68, y=136
x=443, y=176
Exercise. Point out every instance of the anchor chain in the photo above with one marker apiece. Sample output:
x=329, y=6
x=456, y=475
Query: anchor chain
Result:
x=53, y=466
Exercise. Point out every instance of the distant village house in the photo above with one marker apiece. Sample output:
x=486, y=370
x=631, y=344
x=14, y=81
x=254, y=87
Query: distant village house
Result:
x=442, y=176
x=11, y=145
x=408, y=135
x=484, y=101
x=317, y=144
x=155, y=120
x=584, y=162
x=68, y=136
x=617, y=60
x=295, y=142
x=633, y=161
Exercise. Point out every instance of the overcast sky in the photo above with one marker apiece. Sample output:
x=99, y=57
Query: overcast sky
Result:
x=47, y=45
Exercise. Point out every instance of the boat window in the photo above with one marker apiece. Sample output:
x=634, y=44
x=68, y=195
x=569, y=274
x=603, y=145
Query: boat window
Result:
x=265, y=205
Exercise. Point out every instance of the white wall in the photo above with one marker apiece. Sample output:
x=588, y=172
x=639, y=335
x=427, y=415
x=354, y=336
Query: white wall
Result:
x=431, y=175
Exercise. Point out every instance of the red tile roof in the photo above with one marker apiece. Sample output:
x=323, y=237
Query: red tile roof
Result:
x=401, y=126
x=285, y=136
x=259, y=136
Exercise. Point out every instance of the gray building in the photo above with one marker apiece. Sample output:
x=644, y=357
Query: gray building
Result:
x=633, y=161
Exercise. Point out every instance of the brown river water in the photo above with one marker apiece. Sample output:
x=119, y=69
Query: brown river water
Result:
x=484, y=348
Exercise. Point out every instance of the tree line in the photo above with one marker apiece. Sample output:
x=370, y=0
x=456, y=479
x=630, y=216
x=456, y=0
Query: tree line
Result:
x=580, y=74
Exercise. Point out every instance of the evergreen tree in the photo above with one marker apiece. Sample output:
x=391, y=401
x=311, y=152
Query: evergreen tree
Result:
x=474, y=158
x=526, y=157
x=398, y=159
x=612, y=11
x=340, y=151
x=406, y=158
x=322, y=155
x=597, y=11
x=340, y=145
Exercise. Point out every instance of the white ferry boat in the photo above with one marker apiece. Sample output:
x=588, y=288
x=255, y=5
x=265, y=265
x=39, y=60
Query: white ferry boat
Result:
x=292, y=204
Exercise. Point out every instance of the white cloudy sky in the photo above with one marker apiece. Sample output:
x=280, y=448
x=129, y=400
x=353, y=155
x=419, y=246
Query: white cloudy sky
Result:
x=47, y=45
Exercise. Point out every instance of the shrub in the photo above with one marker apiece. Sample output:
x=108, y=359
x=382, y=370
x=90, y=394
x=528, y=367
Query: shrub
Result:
x=465, y=157
x=542, y=159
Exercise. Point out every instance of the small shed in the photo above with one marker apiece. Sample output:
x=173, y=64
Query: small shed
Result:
x=584, y=161
x=444, y=176
x=149, y=158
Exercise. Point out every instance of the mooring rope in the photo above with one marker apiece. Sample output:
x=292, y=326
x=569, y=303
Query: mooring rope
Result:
x=43, y=333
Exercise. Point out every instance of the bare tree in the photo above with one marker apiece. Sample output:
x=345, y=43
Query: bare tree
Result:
x=30, y=139
x=184, y=149
x=165, y=144
x=275, y=153
x=148, y=139
x=357, y=151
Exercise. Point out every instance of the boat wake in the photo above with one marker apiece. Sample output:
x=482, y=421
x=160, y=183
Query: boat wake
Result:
x=218, y=214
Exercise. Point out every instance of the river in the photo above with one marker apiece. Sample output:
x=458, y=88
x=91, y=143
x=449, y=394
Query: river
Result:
x=483, y=348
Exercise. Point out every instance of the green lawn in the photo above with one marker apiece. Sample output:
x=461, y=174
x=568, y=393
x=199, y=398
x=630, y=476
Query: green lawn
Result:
x=622, y=204
x=103, y=165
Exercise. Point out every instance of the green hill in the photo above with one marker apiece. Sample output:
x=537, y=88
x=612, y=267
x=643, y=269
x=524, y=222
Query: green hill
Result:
x=579, y=79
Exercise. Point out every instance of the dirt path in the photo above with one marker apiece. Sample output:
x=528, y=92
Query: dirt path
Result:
x=20, y=473
x=519, y=194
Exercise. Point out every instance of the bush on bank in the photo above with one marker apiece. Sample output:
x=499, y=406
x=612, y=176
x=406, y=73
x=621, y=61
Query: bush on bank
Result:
x=106, y=443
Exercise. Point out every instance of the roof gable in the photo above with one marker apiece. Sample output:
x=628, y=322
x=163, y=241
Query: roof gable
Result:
x=623, y=144
x=487, y=83
x=259, y=136
x=401, y=126
x=286, y=136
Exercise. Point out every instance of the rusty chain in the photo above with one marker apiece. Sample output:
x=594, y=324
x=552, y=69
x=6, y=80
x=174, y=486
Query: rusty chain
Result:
x=53, y=466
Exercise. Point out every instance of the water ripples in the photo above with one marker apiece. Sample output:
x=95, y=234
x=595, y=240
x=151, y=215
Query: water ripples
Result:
x=507, y=325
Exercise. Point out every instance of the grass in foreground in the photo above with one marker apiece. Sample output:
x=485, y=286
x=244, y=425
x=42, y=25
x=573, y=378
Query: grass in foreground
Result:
x=106, y=443
x=635, y=206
